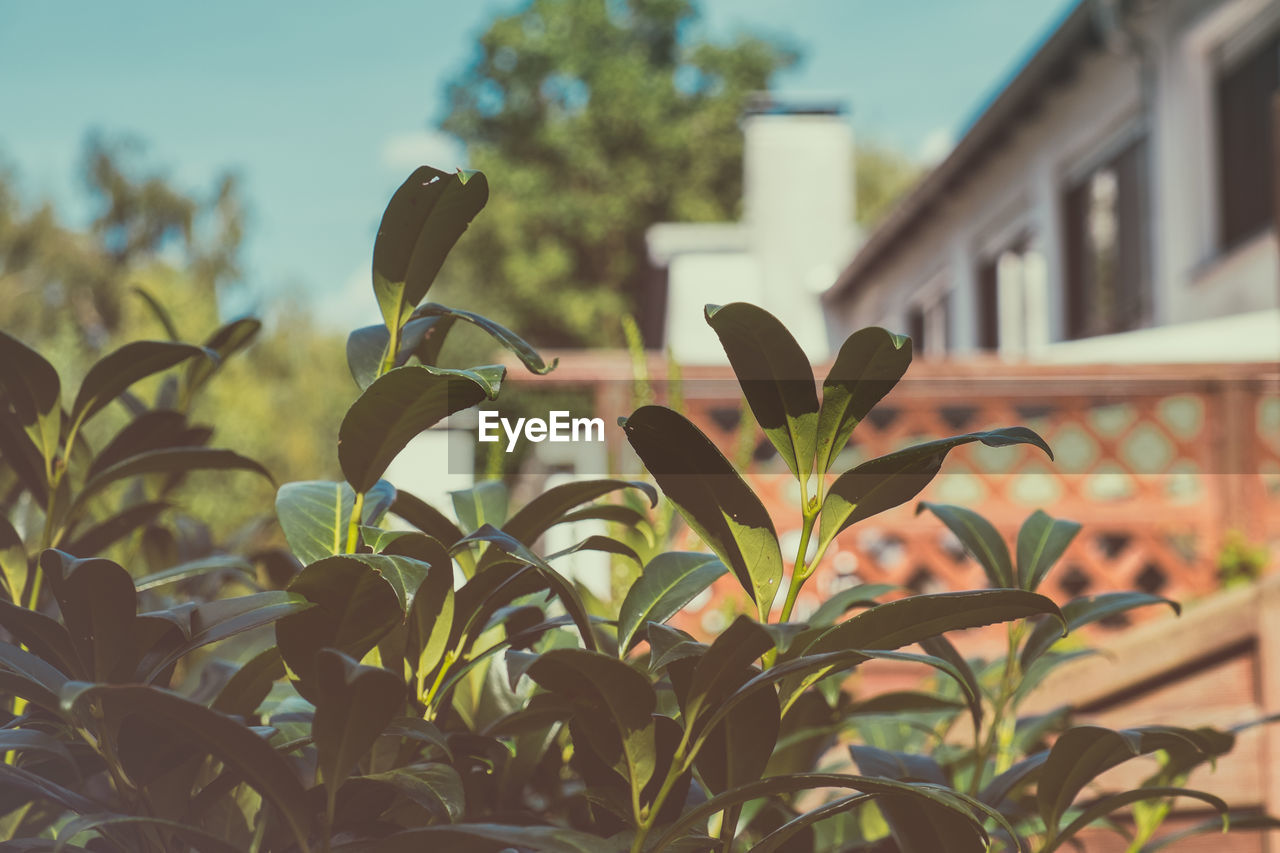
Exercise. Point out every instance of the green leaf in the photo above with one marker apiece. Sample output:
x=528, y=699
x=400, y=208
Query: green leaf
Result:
x=504, y=336
x=1085, y=611
x=776, y=379
x=1104, y=806
x=35, y=392
x=43, y=636
x=316, y=514
x=424, y=218
x=980, y=539
x=151, y=430
x=943, y=648
x=236, y=746
x=197, y=839
x=249, y=686
x=426, y=518
x=901, y=766
x=563, y=589
x=920, y=795
x=13, y=561
x=29, y=677
x=111, y=375
x=1026, y=770
x=158, y=310
x=195, y=568
x=667, y=584
x=355, y=704
x=901, y=702
x=171, y=460
x=114, y=528
x=551, y=506
x=887, y=481
x=862, y=595
x=736, y=749
x=869, y=364
x=715, y=501
x=484, y=838
x=32, y=741
x=366, y=352
x=774, y=841
x=603, y=544
x=41, y=788
x=1083, y=753
x=99, y=607
x=214, y=621
x=397, y=407
x=355, y=607
x=226, y=342
x=435, y=787
x=1041, y=541
x=484, y=503
x=431, y=619
x=1235, y=820
x=725, y=667
x=614, y=703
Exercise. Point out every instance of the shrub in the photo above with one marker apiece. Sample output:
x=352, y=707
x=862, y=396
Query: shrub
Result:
x=447, y=687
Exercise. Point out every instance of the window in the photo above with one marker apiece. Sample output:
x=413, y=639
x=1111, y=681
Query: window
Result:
x=989, y=305
x=1104, y=217
x=927, y=322
x=1246, y=168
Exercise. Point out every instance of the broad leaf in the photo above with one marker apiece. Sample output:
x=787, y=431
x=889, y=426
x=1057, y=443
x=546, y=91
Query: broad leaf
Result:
x=715, y=501
x=355, y=704
x=173, y=460
x=550, y=507
x=366, y=352
x=116, y=371
x=158, y=311
x=13, y=561
x=1085, y=611
x=115, y=527
x=1104, y=806
x=1041, y=541
x=397, y=407
x=315, y=515
x=980, y=539
x=355, y=607
x=484, y=503
x=613, y=702
x=887, y=481
x=426, y=518
x=246, y=690
x=776, y=379
x=29, y=677
x=484, y=838
x=941, y=647
x=507, y=338
x=832, y=609
x=34, y=390
x=226, y=341
x=667, y=584
x=236, y=746
x=901, y=766
x=196, y=568
x=869, y=364
x=98, y=603
x=424, y=218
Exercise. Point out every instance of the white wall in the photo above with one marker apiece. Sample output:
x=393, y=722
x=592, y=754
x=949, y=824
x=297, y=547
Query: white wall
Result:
x=1018, y=188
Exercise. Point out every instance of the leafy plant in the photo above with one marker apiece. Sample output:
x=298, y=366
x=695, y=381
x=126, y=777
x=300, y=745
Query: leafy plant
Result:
x=443, y=683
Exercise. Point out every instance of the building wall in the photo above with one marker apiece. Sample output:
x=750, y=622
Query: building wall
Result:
x=1014, y=195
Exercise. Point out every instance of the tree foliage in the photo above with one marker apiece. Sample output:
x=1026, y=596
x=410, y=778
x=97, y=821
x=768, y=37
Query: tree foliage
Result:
x=604, y=118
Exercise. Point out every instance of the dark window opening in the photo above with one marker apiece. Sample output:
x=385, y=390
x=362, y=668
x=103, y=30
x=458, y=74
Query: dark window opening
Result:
x=1104, y=217
x=1246, y=170
x=989, y=305
x=915, y=330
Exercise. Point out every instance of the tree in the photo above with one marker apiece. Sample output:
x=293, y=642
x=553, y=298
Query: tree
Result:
x=602, y=118
x=883, y=176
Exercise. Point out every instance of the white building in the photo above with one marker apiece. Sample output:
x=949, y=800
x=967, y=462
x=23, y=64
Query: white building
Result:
x=797, y=232
x=1113, y=202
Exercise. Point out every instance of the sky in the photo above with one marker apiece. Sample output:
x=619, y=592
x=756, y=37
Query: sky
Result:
x=323, y=108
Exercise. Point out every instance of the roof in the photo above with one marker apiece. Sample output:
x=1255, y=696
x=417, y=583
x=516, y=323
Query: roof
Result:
x=1049, y=63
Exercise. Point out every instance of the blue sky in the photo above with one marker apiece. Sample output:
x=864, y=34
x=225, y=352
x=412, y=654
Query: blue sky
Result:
x=323, y=108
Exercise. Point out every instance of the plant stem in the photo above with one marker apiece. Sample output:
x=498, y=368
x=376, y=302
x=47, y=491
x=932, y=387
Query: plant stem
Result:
x=984, y=747
x=353, y=527
x=800, y=571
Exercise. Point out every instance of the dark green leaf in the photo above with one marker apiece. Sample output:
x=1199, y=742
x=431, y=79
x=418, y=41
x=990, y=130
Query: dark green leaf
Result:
x=887, y=481
x=13, y=561
x=114, y=528
x=35, y=392
x=99, y=606
x=1041, y=542
x=435, y=787
x=200, y=841
x=397, y=407
x=603, y=544
x=941, y=647
x=31, y=741
x=234, y=745
x=1026, y=770
x=355, y=607
x=863, y=595
x=980, y=539
x=356, y=703
x=727, y=664
x=29, y=677
x=217, y=620
x=41, y=788
x=116, y=371
x=158, y=311
x=901, y=766
x=563, y=589
x=712, y=497
x=42, y=636
x=668, y=583
x=484, y=503
x=869, y=364
x=1104, y=806
x=151, y=430
x=901, y=702
x=603, y=688
x=226, y=342
x=426, y=518
x=507, y=338
x=1085, y=611
x=173, y=460
x=424, y=218
x=550, y=507
x=1236, y=821
x=776, y=379
x=366, y=352
x=196, y=568
x=245, y=691
x=774, y=841
x=484, y=838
